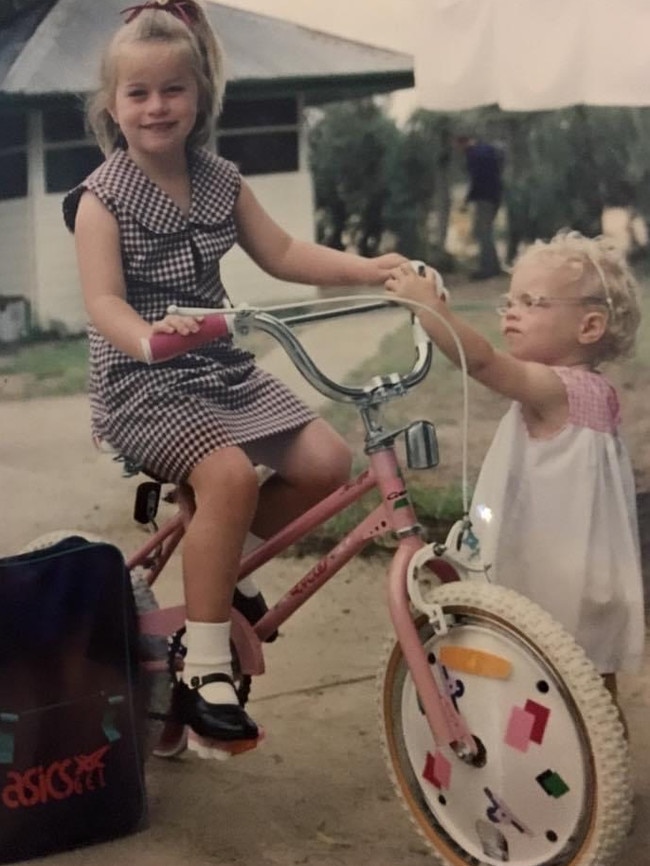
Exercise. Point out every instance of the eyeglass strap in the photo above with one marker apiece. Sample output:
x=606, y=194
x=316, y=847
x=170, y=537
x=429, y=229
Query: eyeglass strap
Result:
x=603, y=280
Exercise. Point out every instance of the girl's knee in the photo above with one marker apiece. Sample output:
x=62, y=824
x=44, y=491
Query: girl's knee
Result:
x=226, y=473
x=340, y=462
x=330, y=467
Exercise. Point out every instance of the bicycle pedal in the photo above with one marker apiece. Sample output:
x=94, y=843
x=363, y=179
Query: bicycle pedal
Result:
x=172, y=741
x=220, y=750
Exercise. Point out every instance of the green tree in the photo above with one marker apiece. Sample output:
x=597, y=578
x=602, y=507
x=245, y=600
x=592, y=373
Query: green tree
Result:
x=350, y=147
x=563, y=167
x=418, y=206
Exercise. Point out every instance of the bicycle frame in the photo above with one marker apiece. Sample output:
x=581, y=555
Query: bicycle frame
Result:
x=394, y=514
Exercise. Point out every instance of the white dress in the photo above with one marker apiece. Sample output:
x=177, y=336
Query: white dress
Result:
x=556, y=519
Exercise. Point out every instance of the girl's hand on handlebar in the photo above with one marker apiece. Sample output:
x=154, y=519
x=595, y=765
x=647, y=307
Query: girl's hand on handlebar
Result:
x=175, y=324
x=381, y=266
x=427, y=289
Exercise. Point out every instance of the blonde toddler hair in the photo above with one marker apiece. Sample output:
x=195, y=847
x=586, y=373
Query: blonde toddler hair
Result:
x=157, y=24
x=600, y=270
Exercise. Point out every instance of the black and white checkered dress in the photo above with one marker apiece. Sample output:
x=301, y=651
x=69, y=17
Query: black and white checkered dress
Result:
x=169, y=416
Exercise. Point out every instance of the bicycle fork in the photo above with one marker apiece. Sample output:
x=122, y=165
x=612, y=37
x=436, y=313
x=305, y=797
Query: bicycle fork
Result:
x=446, y=723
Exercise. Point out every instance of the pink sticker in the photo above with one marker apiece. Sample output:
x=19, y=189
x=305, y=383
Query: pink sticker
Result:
x=519, y=730
x=541, y=720
x=437, y=771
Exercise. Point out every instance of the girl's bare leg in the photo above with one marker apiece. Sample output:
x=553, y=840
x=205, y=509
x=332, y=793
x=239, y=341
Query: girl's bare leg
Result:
x=224, y=485
x=225, y=499
x=309, y=465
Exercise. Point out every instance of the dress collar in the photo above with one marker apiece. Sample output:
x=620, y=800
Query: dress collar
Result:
x=154, y=209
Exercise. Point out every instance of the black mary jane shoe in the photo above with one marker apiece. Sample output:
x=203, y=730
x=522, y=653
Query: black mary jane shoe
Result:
x=227, y=722
x=252, y=608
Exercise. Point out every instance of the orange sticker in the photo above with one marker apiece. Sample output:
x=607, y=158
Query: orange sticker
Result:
x=475, y=661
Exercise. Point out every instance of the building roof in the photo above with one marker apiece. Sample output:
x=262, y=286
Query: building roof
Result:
x=54, y=49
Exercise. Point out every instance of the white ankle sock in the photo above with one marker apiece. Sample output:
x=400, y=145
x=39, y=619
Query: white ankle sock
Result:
x=208, y=652
x=247, y=585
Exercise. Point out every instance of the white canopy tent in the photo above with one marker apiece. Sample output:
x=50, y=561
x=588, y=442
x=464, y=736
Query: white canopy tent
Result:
x=528, y=55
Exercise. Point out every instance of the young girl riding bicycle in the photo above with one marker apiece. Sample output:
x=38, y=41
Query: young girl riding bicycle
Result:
x=554, y=505
x=151, y=225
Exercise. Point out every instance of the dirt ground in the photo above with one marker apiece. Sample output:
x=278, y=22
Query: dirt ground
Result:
x=317, y=791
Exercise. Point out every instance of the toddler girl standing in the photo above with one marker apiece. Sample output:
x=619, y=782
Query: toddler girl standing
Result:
x=151, y=225
x=554, y=505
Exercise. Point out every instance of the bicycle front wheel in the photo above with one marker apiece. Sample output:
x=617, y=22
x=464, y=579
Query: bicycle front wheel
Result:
x=551, y=783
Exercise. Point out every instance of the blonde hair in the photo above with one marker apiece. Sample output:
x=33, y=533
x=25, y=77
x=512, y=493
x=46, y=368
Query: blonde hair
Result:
x=157, y=24
x=602, y=273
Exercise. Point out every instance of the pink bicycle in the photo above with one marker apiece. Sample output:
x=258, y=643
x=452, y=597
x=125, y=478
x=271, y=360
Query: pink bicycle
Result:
x=499, y=736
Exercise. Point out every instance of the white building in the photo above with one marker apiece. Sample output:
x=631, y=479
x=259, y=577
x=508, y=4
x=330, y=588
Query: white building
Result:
x=49, y=52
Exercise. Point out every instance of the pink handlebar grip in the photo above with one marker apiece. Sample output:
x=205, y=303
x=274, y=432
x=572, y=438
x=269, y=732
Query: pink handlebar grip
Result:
x=162, y=347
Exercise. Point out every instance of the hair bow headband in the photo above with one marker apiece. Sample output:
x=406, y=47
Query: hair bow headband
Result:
x=181, y=9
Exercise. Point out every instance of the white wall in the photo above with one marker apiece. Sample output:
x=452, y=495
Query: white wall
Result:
x=16, y=261
x=36, y=251
x=60, y=306
x=288, y=198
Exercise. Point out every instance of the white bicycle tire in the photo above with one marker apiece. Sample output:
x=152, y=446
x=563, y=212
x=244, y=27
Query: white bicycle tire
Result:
x=601, y=792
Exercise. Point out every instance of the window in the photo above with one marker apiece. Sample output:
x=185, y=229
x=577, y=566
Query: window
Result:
x=66, y=168
x=63, y=123
x=13, y=131
x=268, y=153
x=259, y=112
x=13, y=155
x=70, y=154
x=260, y=135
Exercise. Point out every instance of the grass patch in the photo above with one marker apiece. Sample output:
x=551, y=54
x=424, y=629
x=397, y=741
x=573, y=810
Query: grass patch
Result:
x=51, y=368
x=47, y=360
x=58, y=367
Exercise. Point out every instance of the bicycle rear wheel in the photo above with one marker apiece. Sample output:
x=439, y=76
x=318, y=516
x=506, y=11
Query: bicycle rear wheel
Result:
x=553, y=788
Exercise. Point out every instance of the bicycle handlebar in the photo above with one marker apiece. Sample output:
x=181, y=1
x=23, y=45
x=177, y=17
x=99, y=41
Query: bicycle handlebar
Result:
x=162, y=347
x=221, y=323
x=281, y=331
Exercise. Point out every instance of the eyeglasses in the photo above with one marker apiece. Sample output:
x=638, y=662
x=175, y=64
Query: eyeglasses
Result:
x=527, y=302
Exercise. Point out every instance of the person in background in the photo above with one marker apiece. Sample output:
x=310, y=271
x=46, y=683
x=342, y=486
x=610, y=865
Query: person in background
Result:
x=484, y=163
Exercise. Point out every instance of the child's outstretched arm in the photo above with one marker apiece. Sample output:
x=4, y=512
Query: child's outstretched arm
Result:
x=285, y=257
x=103, y=287
x=528, y=382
